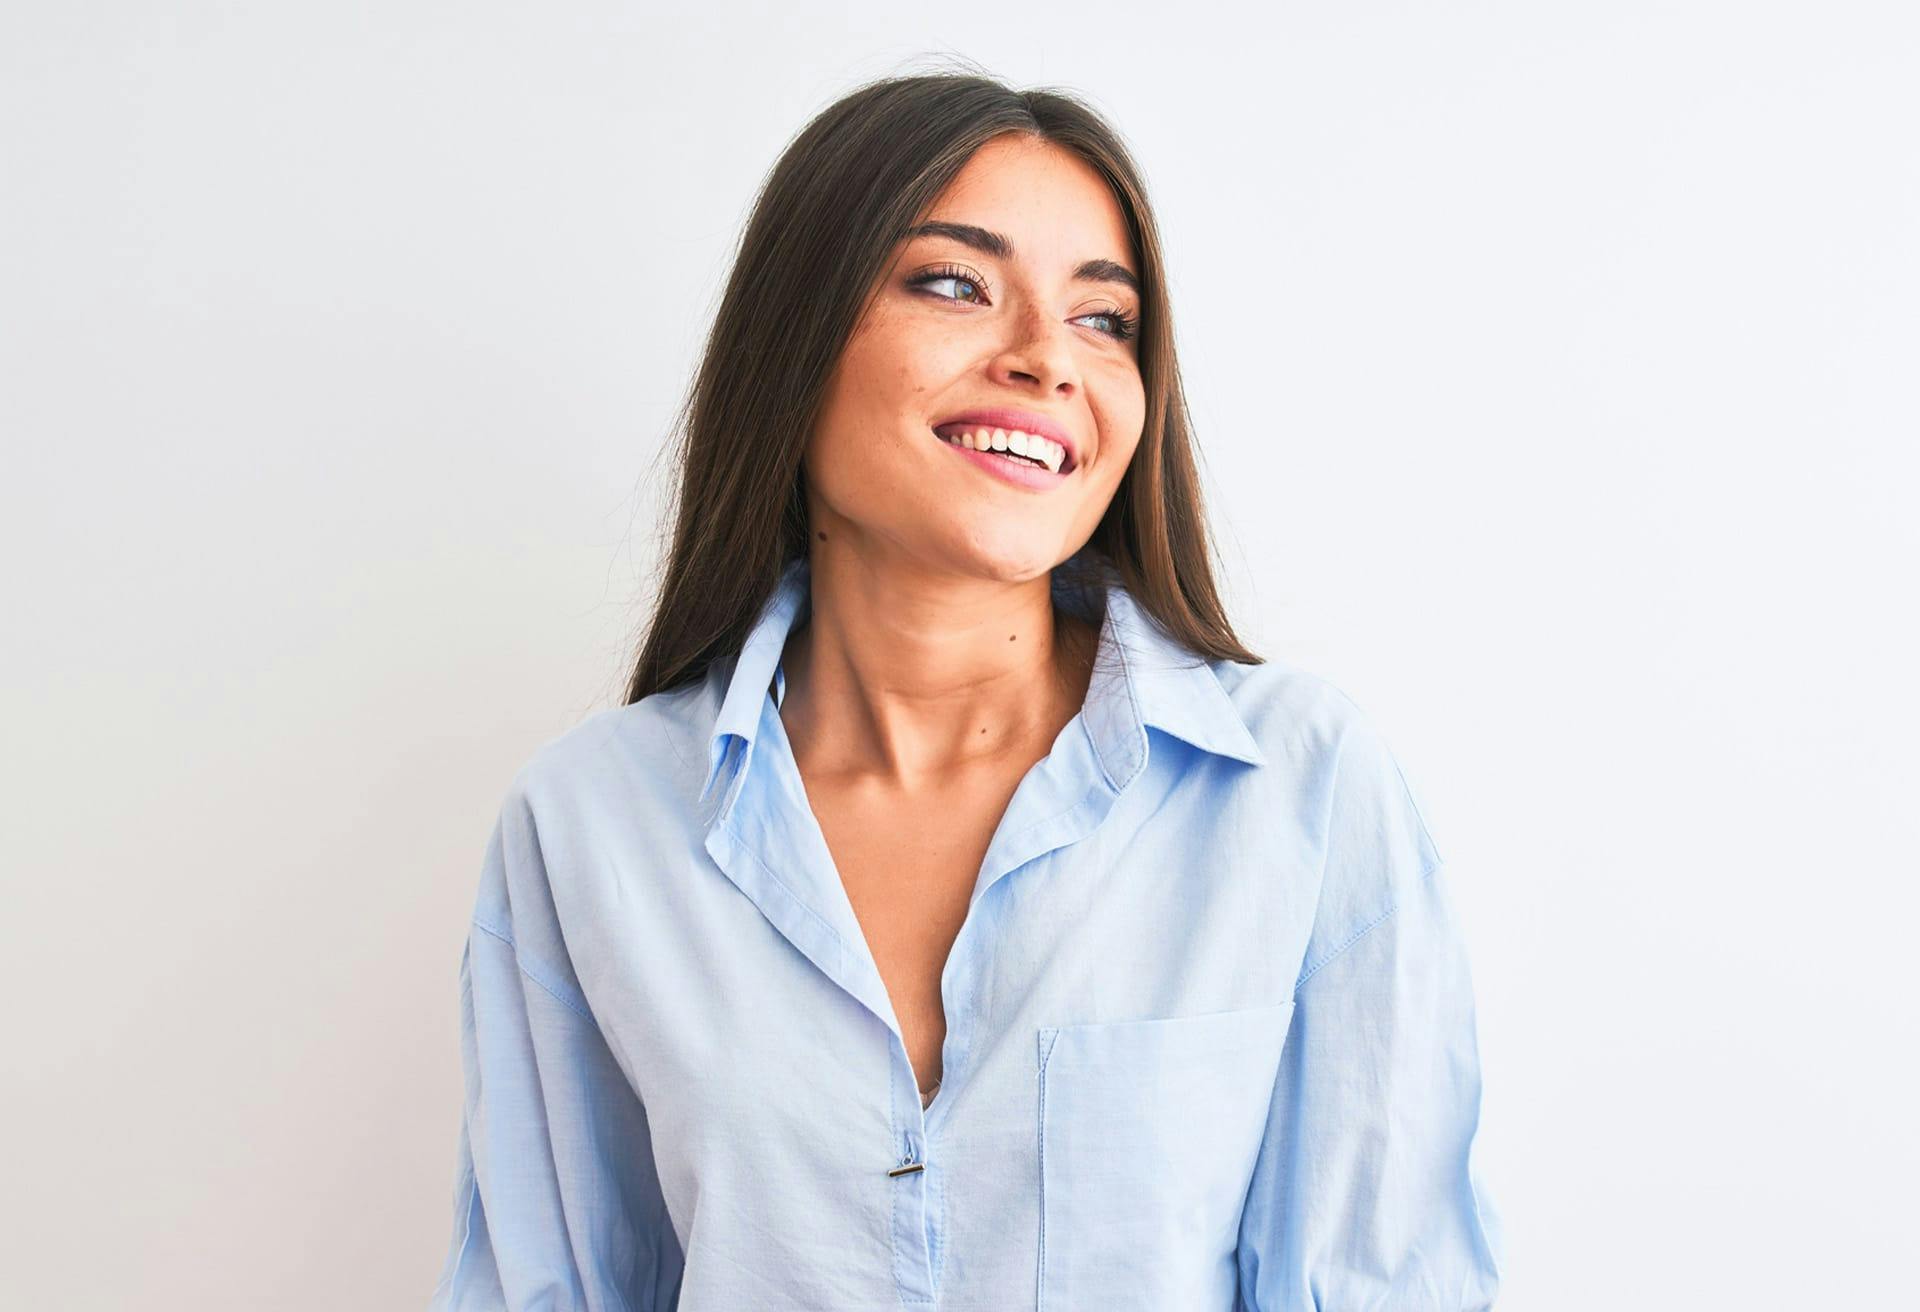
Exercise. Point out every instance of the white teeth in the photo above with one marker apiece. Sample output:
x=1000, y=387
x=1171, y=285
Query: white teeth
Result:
x=1046, y=451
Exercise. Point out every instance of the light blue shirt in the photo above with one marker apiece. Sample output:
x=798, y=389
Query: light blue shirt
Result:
x=1209, y=1046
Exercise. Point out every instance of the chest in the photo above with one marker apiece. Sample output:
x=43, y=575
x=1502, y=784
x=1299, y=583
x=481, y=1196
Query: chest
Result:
x=909, y=865
x=1113, y=1027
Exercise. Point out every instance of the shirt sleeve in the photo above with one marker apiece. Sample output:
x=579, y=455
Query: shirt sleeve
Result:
x=1365, y=1195
x=557, y=1205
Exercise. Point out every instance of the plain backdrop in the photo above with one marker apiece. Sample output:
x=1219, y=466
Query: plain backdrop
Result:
x=1554, y=367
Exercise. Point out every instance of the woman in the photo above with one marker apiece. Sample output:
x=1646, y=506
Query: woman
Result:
x=956, y=914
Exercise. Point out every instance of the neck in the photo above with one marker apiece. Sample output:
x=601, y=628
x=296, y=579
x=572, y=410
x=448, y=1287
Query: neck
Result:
x=905, y=678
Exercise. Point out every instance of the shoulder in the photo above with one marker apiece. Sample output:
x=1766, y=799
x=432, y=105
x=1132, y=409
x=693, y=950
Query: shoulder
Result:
x=1337, y=767
x=1313, y=729
x=658, y=741
x=1309, y=725
x=1293, y=713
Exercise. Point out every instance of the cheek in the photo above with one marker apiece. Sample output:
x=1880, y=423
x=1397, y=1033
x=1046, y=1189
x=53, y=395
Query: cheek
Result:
x=1121, y=419
x=858, y=460
x=884, y=384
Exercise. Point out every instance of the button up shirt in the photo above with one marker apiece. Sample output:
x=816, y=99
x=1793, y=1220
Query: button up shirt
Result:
x=1209, y=1045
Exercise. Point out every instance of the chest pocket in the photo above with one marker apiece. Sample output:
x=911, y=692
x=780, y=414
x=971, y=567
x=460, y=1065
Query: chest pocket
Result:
x=1148, y=1134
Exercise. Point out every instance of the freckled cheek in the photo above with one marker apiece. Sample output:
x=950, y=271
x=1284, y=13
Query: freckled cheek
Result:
x=922, y=356
x=892, y=371
x=1119, y=436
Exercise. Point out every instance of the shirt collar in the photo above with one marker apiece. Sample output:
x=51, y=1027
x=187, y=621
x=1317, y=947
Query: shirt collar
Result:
x=1142, y=676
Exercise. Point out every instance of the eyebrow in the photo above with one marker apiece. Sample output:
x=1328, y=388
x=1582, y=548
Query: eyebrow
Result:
x=996, y=245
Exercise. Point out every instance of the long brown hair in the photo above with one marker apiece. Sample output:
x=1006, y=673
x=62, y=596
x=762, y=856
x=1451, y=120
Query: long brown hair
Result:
x=821, y=234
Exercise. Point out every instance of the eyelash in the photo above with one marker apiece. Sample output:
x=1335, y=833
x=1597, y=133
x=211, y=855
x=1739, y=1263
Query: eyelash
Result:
x=1127, y=325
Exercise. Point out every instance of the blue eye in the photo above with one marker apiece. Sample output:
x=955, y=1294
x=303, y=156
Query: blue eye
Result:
x=1124, y=325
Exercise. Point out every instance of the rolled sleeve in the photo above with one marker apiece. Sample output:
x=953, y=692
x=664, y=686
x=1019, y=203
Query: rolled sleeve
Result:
x=1365, y=1195
x=557, y=1205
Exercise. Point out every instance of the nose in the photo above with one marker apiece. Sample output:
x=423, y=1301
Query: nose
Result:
x=1040, y=350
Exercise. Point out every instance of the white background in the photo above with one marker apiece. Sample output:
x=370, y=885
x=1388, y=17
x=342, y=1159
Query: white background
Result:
x=1555, y=371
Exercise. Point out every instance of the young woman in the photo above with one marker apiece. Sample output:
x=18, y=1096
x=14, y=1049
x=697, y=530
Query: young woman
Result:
x=956, y=915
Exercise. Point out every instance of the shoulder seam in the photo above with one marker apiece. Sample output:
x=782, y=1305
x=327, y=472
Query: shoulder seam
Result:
x=1363, y=931
x=559, y=995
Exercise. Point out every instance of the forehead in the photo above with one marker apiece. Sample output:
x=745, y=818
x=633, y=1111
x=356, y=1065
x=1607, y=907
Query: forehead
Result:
x=1054, y=206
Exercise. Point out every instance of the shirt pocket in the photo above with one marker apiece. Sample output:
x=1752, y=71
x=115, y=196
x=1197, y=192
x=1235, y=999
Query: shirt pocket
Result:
x=1148, y=1134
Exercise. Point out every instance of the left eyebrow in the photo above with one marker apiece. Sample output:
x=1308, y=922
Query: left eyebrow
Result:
x=996, y=245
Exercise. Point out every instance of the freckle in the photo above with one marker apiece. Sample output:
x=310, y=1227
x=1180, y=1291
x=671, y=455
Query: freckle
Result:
x=1012, y=637
x=823, y=535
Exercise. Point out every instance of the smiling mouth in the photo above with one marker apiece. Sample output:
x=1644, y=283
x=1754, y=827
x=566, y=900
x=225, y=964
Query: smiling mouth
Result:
x=1013, y=445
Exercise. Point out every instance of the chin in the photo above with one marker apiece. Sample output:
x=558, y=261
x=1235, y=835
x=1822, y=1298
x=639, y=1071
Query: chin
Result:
x=999, y=563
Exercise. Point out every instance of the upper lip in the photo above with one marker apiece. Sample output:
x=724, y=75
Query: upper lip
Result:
x=1026, y=421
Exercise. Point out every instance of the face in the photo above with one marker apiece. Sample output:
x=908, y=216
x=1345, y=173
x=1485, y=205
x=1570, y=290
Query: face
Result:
x=1025, y=306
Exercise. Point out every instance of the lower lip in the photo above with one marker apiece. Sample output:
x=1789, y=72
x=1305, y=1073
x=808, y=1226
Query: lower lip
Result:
x=1036, y=477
